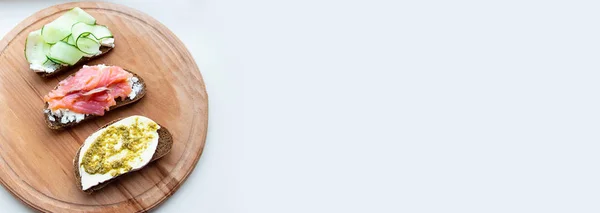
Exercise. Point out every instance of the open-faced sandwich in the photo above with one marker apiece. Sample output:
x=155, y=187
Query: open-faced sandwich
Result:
x=90, y=92
x=120, y=147
x=70, y=40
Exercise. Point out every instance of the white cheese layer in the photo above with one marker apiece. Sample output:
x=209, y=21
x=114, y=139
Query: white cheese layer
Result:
x=68, y=116
x=100, y=66
x=136, y=87
x=108, y=42
x=41, y=68
x=65, y=116
x=90, y=180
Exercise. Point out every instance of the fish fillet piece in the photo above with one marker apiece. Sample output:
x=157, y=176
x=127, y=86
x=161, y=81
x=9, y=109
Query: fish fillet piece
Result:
x=92, y=90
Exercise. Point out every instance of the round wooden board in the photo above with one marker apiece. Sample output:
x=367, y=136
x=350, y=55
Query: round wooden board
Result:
x=36, y=162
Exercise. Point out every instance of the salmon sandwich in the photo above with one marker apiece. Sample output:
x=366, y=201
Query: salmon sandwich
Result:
x=90, y=92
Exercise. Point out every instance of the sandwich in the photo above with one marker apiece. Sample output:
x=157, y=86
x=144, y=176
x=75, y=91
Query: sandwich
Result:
x=72, y=39
x=118, y=148
x=90, y=92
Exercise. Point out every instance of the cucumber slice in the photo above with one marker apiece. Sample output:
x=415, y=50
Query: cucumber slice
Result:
x=100, y=32
x=97, y=31
x=70, y=40
x=50, y=64
x=56, y=61
x=61, y=27
x=88, y=45
x=65, y=53
x=54, y=32
x=35, y=48
x=78, y=15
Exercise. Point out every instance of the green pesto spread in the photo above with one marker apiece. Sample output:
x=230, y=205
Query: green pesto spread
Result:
x=104, y=155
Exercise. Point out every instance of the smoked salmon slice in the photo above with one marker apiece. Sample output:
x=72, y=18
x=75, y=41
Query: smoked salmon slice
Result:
x=92, y=90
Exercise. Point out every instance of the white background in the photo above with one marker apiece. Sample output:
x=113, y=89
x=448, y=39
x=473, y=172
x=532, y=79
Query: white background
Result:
x=388, y=106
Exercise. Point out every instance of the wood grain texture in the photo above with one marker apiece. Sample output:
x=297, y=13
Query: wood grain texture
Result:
x=36, y=162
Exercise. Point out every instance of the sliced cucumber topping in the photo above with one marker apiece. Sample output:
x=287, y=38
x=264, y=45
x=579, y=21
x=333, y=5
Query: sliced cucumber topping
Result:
x=88, y=45
x=97, y=31
x=35, y=48
x=61, y=27
x=65, y=41
x=65, y=53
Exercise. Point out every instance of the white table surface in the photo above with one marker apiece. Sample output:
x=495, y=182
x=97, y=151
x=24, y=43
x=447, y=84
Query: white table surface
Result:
x=210, y=187
x=388, y=105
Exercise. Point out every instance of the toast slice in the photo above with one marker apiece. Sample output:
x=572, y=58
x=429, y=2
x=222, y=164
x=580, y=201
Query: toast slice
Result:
x=57, y=125
x=165, y=143
x=103, y=51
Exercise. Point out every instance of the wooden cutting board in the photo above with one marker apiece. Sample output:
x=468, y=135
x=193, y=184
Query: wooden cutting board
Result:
x=36, y=162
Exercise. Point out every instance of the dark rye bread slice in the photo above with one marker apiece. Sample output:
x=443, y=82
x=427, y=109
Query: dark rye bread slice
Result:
x=57, y=125
x=165, y=142
x=62, y=69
